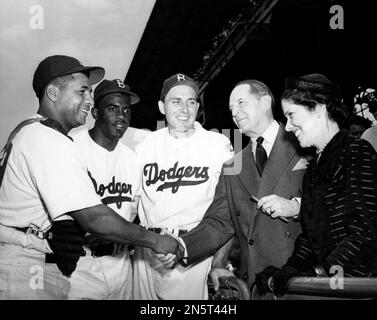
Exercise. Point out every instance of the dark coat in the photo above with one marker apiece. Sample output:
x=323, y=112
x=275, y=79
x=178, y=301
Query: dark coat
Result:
x=264, y=241
x=339, y=209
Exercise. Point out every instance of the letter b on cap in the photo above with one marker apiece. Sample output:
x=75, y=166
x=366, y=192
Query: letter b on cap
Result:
x=180, y=77
x=120, y=84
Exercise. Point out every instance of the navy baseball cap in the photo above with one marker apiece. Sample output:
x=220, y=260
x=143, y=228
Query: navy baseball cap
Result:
x=114, y=86
x=58, y=66
x=179, y=79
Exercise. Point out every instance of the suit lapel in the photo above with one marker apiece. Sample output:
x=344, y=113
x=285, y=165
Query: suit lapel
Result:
x=249, y=174
x=249, y=177
x=281, y=155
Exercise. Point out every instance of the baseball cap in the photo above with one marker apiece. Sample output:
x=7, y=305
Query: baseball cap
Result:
x=114, y=86
x=179, y=79
x=60, y=65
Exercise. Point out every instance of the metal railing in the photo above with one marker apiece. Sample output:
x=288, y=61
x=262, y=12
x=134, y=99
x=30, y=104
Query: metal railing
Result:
x=354, y=288
x=232, y=288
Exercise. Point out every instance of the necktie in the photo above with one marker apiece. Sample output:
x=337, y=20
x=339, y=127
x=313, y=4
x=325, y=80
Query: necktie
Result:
x=260, y=155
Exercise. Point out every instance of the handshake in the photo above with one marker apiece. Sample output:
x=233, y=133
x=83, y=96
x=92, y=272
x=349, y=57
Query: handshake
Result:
x=168, y=249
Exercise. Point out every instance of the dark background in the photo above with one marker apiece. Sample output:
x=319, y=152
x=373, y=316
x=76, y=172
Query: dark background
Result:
x=298, y=40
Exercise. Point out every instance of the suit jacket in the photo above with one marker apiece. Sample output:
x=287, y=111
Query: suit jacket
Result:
x=264, y=241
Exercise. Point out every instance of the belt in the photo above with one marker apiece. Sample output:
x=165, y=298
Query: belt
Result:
x=50, y=257
x=177, y=232
x=30, y=230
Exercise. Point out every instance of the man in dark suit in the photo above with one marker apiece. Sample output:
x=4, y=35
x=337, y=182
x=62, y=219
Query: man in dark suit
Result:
x=270, y=170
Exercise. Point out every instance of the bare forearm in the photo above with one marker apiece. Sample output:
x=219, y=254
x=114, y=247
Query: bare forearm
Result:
x=103, y=222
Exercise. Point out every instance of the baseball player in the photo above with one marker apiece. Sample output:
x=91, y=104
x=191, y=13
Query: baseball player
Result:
x=106, y=272
x=180, y=165
x=45, y=190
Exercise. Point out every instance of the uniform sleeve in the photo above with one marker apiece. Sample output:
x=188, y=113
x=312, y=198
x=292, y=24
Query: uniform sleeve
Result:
x=215, y=229
x=360, y=217
x=60, y=176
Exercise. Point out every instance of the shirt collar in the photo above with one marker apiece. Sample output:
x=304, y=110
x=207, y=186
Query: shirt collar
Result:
x=271, y=132
x=269, y=136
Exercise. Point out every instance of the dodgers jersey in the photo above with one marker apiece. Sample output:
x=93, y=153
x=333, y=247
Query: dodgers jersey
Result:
x=179, y=176
x=114, y=174
x=44, y=178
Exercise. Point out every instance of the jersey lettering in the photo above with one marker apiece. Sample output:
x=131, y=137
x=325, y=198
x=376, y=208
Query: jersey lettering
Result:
x=153, y=175
x=118, y=188
x=180, y=77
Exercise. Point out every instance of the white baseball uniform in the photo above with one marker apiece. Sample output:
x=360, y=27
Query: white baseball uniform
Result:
x=179, y=181
x=44, y=177
x=116, y=179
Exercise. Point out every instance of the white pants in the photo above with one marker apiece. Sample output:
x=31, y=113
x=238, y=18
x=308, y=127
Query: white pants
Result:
x=25, y=275
x=102, y=278
x=153, y=281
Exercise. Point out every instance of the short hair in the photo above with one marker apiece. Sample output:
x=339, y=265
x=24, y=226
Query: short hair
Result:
x=312, y=89
x=259, y=89
x=61, y=81
x=58, y=82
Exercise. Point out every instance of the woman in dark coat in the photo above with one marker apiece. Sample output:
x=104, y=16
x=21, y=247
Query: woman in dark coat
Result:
x=339, y=204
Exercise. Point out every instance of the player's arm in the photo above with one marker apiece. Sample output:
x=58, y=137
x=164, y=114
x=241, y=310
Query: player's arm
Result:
x=103, y=222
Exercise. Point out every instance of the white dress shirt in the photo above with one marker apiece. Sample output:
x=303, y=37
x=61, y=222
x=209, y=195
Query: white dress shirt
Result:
x=269, y=137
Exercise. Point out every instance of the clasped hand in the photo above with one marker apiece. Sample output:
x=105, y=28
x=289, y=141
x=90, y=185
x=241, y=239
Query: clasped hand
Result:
x=169, y=250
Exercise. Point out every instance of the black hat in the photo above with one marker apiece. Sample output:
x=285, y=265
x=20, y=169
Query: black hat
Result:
x=178, y=79
x=114, y=86
x=58, y=66
x=314, y=81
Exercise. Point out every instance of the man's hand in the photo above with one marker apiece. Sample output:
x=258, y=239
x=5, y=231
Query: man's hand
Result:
x=119, y=248
x=171, y=259
x=167, y=244
x=278, y=207
x=217, y=273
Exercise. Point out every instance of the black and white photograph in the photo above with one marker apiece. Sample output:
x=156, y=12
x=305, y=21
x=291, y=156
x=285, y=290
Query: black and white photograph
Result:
x=187, y=156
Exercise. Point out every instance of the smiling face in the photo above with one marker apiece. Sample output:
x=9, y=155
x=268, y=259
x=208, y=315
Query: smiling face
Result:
x=112, y=115
x=251, y=114
x=180, y=108
x=304, y=123
x=73, y=101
